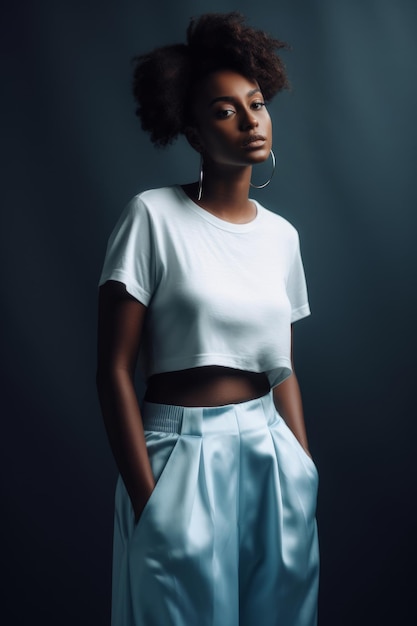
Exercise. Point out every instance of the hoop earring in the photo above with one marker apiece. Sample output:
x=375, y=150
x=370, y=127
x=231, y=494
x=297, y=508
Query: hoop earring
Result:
x=272, y=155
x=200, y=180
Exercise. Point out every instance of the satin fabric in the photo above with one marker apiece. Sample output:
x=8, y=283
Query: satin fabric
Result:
x=228, y=536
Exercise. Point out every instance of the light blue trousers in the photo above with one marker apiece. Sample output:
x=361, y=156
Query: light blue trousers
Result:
x=228, y=536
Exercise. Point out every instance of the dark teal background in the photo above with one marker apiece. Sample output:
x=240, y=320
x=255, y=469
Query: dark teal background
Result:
x=73, y=154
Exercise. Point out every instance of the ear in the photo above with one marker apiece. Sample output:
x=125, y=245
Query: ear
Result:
x=192, y=135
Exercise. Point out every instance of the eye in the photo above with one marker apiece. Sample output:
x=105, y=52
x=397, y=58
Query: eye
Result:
x=257, y=105
x=223, y=114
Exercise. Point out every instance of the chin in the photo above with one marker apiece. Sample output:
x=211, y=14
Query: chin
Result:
x=259, y=156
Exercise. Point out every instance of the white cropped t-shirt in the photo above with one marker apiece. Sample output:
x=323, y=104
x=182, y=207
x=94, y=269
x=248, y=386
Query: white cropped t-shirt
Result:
x=218, y=293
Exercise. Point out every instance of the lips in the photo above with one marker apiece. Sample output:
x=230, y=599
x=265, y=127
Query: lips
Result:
x=254, y=139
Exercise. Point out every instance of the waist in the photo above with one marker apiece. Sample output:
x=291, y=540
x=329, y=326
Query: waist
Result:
x=198, y=421
x=210, y=385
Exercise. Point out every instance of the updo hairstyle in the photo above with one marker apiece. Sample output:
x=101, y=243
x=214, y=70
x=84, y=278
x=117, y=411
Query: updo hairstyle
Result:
x=164, y=79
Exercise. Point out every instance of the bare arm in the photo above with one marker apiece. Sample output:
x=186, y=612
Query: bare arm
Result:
x=120, y=323
x=287, y=399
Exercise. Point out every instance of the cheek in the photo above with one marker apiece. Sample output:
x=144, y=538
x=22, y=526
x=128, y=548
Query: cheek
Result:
x=216, y=142
x=268, y=127
x=268, y=124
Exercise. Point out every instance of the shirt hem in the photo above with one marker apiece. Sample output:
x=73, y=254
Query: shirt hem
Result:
x=275, y=372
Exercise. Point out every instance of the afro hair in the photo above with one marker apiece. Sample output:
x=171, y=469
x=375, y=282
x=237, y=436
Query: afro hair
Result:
x=163, y=79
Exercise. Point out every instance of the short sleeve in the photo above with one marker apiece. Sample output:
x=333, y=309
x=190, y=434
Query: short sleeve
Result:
x=296, y=286
x=130, y=255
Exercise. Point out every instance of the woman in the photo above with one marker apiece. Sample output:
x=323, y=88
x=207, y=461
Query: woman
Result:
x=215, y=503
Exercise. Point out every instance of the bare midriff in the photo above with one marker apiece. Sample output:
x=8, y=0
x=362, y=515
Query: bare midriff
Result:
x=206, y=386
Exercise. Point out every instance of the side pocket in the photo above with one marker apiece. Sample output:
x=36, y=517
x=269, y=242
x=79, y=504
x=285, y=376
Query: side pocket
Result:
x=305, y=458
x=161, y=448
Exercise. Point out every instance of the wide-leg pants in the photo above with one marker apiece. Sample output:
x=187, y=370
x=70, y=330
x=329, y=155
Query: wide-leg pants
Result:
x=228, y=536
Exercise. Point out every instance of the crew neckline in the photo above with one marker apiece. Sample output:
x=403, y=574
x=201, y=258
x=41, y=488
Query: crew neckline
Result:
x=218, y=221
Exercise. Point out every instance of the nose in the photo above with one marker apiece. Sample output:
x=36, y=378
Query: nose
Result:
x=248, y=120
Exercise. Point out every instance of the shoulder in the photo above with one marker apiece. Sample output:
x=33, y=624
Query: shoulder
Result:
x=277, y=225
x=156, y=200
x=152, y=205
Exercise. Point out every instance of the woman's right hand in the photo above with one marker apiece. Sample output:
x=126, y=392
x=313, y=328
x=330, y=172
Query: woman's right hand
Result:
x=139, y=507
x=120, y=323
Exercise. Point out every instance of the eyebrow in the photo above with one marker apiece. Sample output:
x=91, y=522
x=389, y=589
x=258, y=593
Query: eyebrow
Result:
x=250, y=93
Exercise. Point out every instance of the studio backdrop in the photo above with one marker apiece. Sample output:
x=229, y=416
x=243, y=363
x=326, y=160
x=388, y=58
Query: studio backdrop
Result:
x=345, y=139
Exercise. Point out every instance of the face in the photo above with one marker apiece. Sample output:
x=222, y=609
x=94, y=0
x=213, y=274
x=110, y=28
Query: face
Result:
x=233, y=127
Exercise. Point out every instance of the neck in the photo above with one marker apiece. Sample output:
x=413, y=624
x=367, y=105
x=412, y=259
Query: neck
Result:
x=225, y=192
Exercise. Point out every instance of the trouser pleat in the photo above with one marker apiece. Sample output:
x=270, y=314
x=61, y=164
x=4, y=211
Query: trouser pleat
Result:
x=228, y=537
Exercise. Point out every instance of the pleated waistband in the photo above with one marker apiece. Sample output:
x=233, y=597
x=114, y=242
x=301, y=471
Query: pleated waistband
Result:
x=171, y=418
x=164, y=417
